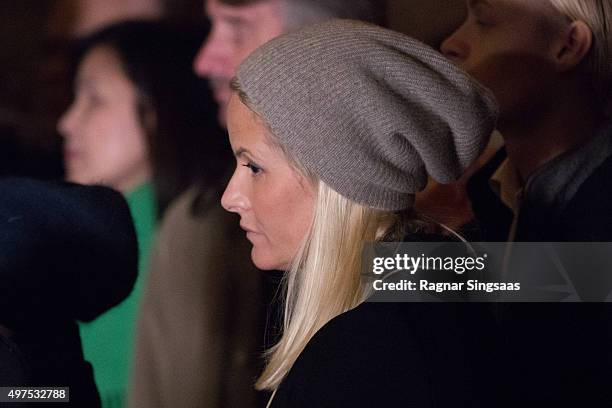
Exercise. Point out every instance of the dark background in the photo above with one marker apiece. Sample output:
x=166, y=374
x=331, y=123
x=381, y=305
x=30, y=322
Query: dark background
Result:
x=35, y=88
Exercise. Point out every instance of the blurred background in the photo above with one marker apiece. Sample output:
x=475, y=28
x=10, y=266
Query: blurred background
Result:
x=35, y=85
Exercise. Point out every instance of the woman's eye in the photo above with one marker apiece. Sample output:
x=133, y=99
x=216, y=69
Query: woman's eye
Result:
x=254, y=169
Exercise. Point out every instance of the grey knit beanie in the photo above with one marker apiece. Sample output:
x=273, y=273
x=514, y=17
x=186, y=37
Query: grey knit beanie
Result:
x=370, y=111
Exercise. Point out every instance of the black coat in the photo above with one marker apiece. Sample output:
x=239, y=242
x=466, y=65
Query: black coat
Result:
x=67, y=253
x=462, y=355
x=561, y=354
x=397, y=355
x=586, y=218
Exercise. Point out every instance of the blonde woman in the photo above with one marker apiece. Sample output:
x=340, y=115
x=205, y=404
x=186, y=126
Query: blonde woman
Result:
x=334, y=129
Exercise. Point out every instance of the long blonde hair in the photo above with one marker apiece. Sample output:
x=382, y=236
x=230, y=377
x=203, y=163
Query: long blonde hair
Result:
x=597, y=15
x=324, y=279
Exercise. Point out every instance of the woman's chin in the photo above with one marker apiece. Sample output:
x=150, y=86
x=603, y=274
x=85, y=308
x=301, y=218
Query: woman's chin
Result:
x=267, y=262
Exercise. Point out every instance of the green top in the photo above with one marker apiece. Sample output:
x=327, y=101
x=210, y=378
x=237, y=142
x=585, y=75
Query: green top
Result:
x=108, y=341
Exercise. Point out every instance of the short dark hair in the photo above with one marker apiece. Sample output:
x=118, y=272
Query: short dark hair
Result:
x=186, y=145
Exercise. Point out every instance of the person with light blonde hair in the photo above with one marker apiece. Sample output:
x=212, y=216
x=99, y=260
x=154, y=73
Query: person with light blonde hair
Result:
x=335, y=128
x=201, y=348
x=549, y=63
x=597, y=15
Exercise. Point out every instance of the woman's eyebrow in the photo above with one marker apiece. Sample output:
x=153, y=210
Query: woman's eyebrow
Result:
x=241, y=151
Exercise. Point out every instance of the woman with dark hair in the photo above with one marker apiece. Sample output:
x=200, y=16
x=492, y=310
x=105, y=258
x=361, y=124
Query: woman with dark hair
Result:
x=143, y=123
x=176, y=140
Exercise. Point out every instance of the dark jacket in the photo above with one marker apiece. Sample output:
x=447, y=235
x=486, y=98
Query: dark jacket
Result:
x=587, y=217
x=560, y=354
x=67, y=253
x=397, y=355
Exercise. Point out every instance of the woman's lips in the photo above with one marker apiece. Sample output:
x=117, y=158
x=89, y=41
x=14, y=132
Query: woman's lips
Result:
x=250, y=233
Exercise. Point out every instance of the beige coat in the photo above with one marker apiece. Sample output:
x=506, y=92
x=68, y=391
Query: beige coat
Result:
x=199, y=335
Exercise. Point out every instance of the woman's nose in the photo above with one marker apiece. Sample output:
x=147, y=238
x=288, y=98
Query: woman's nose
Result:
x=234, y=199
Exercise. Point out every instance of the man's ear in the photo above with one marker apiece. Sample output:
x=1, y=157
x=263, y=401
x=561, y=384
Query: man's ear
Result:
x=576, y=45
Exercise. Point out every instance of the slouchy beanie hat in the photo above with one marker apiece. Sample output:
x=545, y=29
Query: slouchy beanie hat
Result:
x=370, y=111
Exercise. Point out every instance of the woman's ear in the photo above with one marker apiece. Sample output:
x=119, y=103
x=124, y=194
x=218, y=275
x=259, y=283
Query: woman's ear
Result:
x=576, y=45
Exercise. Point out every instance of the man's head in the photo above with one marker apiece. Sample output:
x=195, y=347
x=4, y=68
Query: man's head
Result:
x=240, y=26
x=529, y=51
